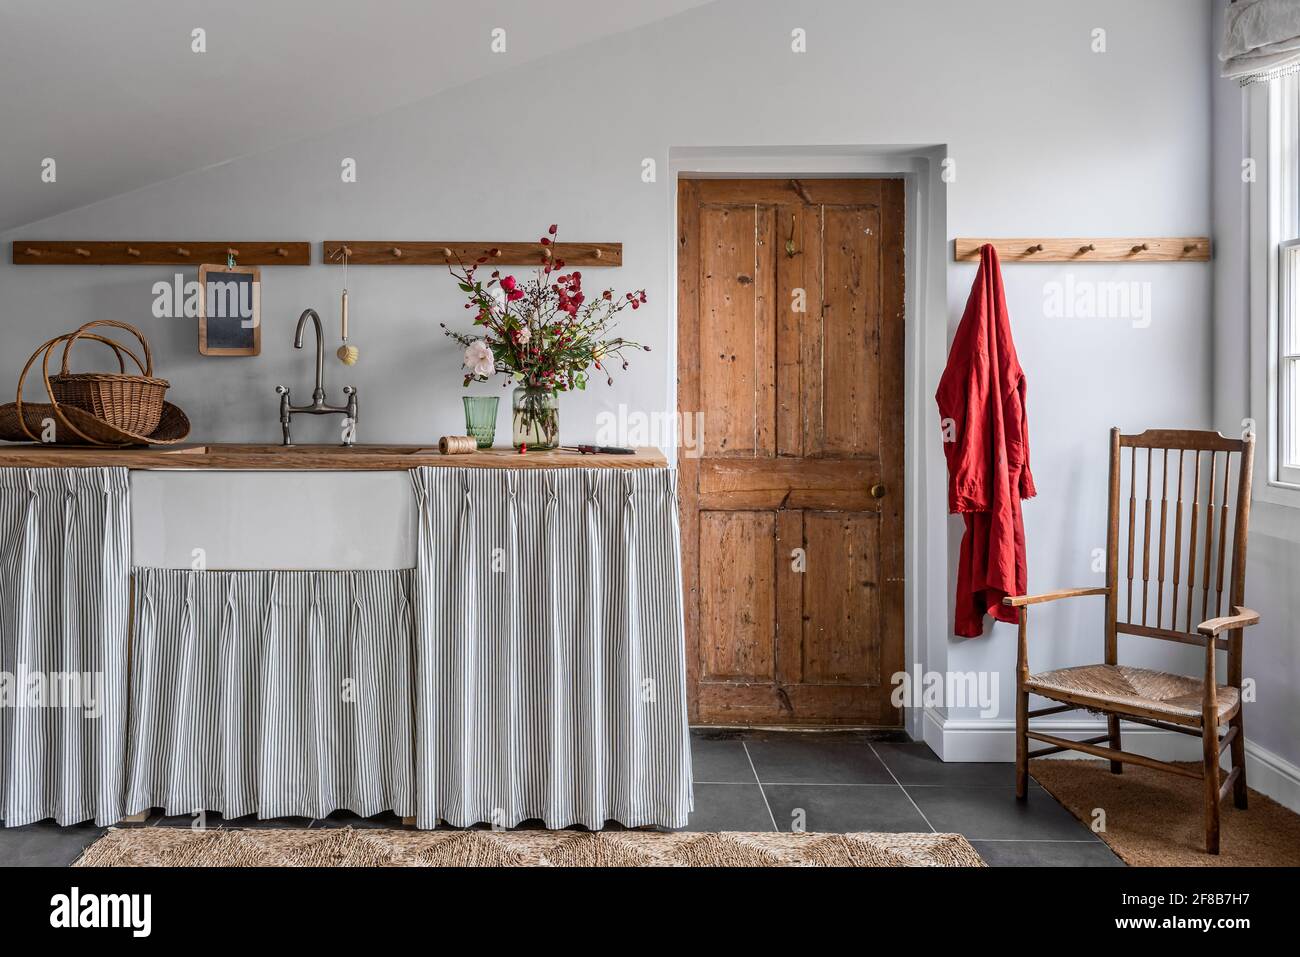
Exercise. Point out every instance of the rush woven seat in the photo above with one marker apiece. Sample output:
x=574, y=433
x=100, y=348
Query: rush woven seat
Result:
x=1133, y=691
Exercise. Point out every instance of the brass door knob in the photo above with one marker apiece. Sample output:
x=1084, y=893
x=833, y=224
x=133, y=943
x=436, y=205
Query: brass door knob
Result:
x=877, y=491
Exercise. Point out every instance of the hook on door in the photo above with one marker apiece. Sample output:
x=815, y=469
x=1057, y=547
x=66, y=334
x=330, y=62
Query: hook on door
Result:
x=790, y=251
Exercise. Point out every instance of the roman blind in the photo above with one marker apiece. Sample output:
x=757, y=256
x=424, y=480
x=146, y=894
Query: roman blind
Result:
x=1261, y=40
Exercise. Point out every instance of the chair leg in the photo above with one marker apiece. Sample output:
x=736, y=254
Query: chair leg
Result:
x=1022, y=744
x=1112, y=727
x=1238, y=749
x=1210, y=751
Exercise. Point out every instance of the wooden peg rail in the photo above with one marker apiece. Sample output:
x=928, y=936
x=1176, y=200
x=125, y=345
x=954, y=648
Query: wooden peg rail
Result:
x=180, y=253
x=1183, y=250
x=396, y=253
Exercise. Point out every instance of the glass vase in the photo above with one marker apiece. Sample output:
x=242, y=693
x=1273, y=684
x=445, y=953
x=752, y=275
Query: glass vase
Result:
x=481, y=418
x=536, y=419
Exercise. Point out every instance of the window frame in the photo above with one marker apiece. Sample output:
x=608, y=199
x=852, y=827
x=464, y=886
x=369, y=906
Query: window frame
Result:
x=1273, y=118
x=1284, y=403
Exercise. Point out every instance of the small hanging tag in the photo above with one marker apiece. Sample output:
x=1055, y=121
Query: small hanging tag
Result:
x=230, y=260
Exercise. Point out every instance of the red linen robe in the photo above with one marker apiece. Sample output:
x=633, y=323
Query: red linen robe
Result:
x=981, y=400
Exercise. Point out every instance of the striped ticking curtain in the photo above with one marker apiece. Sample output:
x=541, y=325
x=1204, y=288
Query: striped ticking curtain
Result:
x=64, y=595
x=549, y=648
x=275, y=693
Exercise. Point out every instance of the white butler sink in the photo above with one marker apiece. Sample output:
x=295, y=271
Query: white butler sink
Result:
x=257, y=520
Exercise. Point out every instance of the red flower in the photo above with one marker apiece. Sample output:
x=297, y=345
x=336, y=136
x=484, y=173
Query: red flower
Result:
x=553, y=229
x=545, y=241
x=508, y=283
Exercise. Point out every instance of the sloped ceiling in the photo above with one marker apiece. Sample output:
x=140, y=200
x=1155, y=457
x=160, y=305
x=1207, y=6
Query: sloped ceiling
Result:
x=113, y=92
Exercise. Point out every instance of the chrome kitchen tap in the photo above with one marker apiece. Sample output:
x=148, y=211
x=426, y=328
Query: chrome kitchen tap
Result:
x=318, y=406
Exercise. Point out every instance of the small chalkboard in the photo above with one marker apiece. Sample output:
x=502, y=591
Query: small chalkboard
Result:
x=230, y=310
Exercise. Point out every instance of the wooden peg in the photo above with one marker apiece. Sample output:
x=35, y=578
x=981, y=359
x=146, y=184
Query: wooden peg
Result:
x=281, y=251
x=1036, y=248
x=29, y=251
x=81, y=252
x=1090, y=247
x=446, y=254
x=231, y=251
x=546, y=253
x=397, y=252
x=132, y=251
x=1140, y=248
x=1191, y=247
x=182, y=251
x=597, y=253
x=494, y=253
x=347, y=251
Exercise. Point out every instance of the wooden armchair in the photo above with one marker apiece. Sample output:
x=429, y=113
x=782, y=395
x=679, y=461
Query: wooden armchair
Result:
x=1185, y=539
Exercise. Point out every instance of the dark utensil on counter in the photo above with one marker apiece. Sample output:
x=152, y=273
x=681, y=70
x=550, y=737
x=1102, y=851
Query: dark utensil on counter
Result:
x=599, y=449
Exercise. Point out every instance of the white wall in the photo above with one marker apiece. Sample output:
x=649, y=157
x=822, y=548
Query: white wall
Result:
x=1049, y=138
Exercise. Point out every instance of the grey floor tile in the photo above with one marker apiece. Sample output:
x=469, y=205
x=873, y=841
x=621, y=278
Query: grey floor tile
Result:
x=994, y=814
x=1046, y=854
x=729, y=807
x=45, y=845
x=913, y=763
x=720, y=761
x=815, y=759
x=841, y=808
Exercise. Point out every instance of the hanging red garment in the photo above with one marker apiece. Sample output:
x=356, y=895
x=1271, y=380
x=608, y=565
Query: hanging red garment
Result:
x=981, y=400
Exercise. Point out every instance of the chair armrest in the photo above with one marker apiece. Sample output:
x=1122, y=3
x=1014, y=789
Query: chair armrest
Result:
x=1238, y=619
x=1016, y=601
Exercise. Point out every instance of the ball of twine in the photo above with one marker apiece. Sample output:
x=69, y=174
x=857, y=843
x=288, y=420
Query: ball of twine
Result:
x=457, y=444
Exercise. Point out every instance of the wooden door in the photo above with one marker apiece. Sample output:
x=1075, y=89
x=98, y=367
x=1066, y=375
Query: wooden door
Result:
x=790, y=345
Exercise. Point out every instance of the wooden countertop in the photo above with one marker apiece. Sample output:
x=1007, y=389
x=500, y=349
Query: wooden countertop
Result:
x=320, y=458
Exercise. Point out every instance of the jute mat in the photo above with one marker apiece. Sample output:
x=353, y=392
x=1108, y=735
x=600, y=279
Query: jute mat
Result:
x=1157, y=819
x=375, y=847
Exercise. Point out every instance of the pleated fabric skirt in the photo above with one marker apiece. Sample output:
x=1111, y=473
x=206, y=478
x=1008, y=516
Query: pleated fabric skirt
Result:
x=275, y=693
x=549, y=650
x=65, y=538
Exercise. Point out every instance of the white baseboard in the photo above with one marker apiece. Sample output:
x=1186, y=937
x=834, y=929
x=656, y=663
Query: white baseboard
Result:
x=1274, y=775
x=977, y=739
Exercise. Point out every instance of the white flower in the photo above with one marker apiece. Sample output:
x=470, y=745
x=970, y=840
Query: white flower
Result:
x=523, y=335
x=479, y=359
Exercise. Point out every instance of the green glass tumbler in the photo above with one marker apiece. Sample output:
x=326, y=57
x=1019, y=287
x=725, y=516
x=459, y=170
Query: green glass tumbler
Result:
x=481, y=418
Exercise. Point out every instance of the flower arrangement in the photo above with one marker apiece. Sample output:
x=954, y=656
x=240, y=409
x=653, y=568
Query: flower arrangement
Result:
x=544, y=333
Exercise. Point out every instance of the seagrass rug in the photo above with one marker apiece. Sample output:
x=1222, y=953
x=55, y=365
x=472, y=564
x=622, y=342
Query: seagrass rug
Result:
x=379, y=847
x=1157, y=819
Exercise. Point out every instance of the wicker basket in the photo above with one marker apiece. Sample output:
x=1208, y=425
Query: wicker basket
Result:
x=132, y=403
x=31, y=421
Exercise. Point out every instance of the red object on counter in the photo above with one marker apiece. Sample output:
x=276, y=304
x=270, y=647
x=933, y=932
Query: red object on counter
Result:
x=981, y=400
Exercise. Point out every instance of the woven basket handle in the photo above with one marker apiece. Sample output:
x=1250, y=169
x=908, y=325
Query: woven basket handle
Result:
x=145, y=369
x=118, y=350
x=44, y=351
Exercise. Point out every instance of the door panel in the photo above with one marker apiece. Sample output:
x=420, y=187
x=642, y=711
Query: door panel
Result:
x=739, y=351
x=849, y=384
x=737, y=599
x=841, y=598
x=790, y=298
